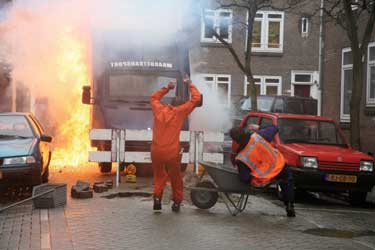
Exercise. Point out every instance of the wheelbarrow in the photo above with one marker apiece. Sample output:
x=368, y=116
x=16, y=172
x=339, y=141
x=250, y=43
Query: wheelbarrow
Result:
x=225, y=183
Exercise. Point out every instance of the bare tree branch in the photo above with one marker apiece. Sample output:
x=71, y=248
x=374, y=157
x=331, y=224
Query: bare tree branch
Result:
x=351, y=23
x=231, y=50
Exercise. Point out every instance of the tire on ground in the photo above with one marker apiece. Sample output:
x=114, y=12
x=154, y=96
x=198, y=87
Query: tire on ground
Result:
x=204, y=199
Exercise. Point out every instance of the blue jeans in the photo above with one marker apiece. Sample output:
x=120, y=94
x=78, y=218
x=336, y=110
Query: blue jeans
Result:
x=284, y=178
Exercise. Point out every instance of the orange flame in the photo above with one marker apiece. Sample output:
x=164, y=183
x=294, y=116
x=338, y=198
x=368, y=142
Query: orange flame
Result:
x=72, y=142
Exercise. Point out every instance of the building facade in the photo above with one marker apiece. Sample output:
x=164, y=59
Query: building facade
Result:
x=285, y=60
x=338, y=73
x=285, y=51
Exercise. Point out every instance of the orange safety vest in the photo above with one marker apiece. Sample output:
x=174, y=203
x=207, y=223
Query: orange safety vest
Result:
x=264, y=161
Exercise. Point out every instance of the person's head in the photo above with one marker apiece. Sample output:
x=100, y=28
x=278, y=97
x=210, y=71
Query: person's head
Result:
x=238, y=134
x=177, y=102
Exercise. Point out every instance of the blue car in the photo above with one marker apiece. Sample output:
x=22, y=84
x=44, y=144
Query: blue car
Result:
x=25, y=151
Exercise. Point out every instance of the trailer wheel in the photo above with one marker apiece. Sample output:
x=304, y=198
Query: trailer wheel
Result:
x=105, y=167
x=204, y=199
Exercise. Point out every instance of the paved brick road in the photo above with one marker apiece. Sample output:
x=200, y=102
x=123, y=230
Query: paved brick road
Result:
x=129, y=223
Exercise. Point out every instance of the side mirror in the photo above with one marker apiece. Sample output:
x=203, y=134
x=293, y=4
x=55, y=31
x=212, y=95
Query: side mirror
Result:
x=86, y=95
x=200, y=104
x=46, y=138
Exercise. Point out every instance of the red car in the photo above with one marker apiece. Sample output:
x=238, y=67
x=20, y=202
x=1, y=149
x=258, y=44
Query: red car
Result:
x=318, y=154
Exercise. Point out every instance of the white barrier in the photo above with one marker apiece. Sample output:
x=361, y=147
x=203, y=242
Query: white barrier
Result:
x=118, y=138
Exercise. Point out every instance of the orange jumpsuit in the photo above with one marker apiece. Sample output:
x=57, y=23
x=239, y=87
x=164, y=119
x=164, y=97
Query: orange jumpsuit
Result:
x=165, y=148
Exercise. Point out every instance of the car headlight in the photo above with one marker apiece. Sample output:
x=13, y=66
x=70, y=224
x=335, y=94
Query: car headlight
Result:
x=19, y=160
x=366, y=166
x=309, y=162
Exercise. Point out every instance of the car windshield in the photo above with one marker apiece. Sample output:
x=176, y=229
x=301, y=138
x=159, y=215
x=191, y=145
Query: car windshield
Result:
x=14, y=126
x=131, y=85
x=264, y=103
x=309, y=131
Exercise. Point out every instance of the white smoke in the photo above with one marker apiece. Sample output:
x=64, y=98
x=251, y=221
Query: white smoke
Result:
x=215, y=114
x=32, y=34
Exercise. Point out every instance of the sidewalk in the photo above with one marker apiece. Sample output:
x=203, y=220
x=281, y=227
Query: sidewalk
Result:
x=130, y=223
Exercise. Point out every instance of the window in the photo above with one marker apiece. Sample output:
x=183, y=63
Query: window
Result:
x=346, y=84
x=265, y=122
x=301, y=83
x=304, y=26
x=219, y=21
x=265, y=85
x=220, y=84
x=126, y=85
x=251, y=120
x=301, y=77
x=268, y=31
x=371, y=75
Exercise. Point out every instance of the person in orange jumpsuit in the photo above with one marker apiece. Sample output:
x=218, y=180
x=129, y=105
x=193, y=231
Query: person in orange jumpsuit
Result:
x=165, y=148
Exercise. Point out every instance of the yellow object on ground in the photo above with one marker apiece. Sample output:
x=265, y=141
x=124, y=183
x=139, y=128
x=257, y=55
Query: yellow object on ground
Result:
x=131, y=178
x=131, y=169
x=200, y=170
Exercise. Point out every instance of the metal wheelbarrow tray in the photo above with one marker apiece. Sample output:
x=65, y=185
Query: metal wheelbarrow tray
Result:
x=226, y=182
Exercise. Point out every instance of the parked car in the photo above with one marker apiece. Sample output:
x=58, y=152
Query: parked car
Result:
x=25, y=151
x=318, y=154
x=276, y=104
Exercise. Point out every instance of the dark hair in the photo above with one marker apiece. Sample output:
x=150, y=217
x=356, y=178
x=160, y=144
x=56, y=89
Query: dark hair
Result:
x=239, y=135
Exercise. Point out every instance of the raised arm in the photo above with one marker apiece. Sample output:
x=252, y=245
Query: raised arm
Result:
x=189, y=106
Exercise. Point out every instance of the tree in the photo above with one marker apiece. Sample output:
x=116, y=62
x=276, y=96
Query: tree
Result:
x=351, y=15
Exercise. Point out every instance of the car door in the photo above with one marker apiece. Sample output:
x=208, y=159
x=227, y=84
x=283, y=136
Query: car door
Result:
x=44, y=147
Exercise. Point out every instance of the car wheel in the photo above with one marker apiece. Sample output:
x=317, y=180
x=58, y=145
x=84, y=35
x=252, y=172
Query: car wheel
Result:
x=204, y=199
x=357, y=198
x=105, y=167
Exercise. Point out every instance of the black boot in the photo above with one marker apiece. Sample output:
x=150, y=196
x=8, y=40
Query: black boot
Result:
x=176, y=207
x=157, y=204
x=290, y=210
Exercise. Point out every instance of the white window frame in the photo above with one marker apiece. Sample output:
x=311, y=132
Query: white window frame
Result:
x=264, y=31
x=305, y=33
x=215, y=82
x=369, y=101
x=301, y=72
x=344, y=117
x=216, y=23
x=263, y=84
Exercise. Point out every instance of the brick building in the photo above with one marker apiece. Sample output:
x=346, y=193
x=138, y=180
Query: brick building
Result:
x=285, y=60
x=338, y=80
x=285, y=51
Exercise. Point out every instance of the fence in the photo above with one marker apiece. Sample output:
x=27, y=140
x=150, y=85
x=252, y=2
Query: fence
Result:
x=199, y=142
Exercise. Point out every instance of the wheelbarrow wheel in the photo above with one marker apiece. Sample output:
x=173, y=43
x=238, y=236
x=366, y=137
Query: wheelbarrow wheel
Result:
x=204, y=199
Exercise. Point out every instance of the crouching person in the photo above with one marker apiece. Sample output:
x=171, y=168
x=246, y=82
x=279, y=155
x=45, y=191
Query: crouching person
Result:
x=259, y=162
